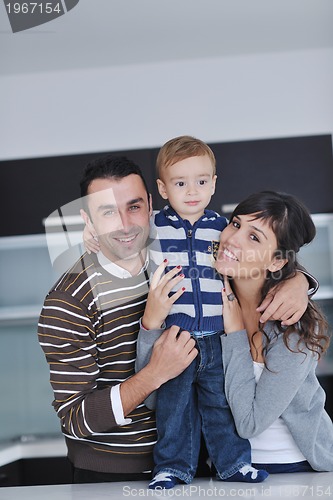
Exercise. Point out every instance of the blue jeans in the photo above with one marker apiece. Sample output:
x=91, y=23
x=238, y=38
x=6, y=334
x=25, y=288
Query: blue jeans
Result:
x=193, y=401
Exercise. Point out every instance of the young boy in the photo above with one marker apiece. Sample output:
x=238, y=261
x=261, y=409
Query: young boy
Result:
x=188, y=234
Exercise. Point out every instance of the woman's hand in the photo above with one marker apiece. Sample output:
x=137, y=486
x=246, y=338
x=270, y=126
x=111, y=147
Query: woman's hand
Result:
x=232, y=313
x=159, y=303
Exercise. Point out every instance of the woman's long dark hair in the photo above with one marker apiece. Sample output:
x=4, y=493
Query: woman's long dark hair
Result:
x=293, y=227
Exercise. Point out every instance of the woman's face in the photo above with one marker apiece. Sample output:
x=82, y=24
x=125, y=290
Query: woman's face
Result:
x=247, y=248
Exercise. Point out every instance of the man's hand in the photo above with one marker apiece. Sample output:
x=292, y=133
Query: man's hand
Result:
x=172, y=353
x=286, y=302
x=159, y=303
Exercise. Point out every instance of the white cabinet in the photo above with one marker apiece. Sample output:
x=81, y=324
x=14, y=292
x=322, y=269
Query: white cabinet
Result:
x=29, y=265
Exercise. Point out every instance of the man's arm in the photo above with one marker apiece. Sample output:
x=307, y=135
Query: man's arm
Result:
x=288, y=301
x=170, y=356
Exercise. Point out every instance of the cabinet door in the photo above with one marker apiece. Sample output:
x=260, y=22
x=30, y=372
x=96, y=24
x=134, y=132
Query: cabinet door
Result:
x=302, y=166
x=34, y=188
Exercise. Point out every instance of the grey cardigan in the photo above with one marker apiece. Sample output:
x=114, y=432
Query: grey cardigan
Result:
x=288, y=388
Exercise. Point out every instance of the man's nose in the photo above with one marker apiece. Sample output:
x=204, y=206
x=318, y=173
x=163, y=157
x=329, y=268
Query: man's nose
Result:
x=125, y=221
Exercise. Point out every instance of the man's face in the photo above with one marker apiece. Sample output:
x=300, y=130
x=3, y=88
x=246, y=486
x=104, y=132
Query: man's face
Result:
x=119, y=211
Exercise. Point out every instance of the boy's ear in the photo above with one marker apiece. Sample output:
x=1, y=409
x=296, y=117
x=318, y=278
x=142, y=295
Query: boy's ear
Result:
x=214, y=184
x=161, y=189
x=277, y=264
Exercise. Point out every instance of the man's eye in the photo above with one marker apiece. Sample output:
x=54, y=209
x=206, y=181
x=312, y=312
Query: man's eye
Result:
x=134, y=208
x=108, y=213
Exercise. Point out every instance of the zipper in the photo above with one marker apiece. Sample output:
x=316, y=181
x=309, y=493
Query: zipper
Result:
x=195, y=282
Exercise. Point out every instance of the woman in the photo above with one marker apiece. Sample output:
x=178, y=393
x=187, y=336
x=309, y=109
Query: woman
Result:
x=270, y=379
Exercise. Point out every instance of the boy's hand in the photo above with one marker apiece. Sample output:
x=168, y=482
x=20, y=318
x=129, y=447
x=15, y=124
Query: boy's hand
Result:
x=159, y=303
x=286, y=302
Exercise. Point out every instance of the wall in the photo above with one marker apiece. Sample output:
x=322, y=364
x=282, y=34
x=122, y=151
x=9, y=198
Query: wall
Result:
x=223, y=99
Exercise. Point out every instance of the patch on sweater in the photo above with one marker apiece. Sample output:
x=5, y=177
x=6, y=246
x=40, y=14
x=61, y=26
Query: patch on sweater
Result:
x=213, y=248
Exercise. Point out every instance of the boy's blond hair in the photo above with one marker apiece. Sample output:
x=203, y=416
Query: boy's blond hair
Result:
x=180, y=148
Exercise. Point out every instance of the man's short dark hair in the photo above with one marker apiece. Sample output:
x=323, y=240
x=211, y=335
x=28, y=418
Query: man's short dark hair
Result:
x=109, y=167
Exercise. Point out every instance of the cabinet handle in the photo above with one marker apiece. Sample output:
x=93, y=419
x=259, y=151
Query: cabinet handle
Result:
x=3, y=477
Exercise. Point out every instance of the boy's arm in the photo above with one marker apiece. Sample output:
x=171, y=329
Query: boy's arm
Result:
x=287, y=302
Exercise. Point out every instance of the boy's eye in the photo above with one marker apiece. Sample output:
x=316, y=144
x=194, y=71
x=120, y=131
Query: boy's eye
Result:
x=180, y=183
x=202, y=183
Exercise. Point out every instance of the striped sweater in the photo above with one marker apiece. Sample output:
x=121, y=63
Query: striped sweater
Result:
x=88, y=331
x=192, y=247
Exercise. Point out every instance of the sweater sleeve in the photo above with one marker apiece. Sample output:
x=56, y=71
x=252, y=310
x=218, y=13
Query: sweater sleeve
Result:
x=67, y=337
x=145, y=343
x=255, y=406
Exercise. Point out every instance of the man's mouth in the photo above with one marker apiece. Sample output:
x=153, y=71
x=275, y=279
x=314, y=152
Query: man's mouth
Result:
x=128, y=239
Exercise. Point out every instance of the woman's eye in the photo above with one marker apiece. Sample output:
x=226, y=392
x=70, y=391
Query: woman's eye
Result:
x=254, y=237
x=235, y=224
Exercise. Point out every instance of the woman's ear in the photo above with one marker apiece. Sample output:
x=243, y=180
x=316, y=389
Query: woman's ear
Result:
x=161, y=189
x=277, y=264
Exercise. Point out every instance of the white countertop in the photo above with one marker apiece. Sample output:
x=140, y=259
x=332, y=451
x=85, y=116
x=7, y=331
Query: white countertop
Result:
x=32, y=448
x=304, y=486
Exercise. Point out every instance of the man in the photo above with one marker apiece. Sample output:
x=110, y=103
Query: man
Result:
x=88, y=329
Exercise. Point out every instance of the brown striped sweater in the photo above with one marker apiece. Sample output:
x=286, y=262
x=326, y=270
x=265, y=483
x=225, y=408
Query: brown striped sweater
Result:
x=88, y=331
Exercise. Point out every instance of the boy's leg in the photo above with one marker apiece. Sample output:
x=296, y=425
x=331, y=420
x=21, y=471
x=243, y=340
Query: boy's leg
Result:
x=178, y=427
x=228, y=451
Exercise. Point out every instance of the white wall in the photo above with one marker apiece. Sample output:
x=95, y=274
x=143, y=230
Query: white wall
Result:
x=125, y=107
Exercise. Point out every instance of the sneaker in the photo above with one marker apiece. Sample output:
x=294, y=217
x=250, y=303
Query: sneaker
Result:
x=163, y=480
x=248, y=474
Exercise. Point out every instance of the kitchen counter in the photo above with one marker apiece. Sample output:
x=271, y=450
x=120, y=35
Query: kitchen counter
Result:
x=32, y=447
x=301, y=485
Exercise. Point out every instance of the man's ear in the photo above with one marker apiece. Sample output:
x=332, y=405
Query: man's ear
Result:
x=277, y=264
x=150, y=201
x=85, y=217
x=161, y=189
x=88, y=223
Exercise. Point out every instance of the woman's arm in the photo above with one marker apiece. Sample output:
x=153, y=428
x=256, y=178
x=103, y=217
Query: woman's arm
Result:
x=256, y=406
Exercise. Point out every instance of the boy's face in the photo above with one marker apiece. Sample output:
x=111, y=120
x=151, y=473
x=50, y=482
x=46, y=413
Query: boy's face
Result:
x=188, y=185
